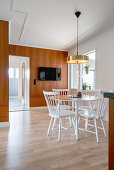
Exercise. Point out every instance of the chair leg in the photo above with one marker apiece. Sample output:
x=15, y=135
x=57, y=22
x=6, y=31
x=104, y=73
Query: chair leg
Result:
x=86, y=123
x=96, y=129
x=49, y=126
x=59, y=134
x=61, y=123
x=70, y=121
x=54, y=123
x=79, y=120
x=103, y=127
x=73, y=122
x=76, y=128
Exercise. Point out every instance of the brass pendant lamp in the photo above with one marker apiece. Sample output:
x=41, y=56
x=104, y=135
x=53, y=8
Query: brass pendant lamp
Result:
x=77, y=59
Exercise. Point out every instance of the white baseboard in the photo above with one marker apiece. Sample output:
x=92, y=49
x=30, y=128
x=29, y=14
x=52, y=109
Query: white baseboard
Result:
x=4, y=124
x=37, y=108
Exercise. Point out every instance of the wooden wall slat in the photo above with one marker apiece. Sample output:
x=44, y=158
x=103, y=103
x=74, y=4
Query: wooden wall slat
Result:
x=42, y=58
x=4, y=111
x=38, y=58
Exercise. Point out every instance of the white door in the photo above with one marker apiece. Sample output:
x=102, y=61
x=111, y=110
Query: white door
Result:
x=25, y=82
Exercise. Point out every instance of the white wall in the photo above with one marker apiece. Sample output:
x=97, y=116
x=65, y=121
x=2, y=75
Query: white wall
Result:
x=104, y=46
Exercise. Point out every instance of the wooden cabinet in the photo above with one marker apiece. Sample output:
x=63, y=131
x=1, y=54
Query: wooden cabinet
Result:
x=111, y=134
x=4, y=65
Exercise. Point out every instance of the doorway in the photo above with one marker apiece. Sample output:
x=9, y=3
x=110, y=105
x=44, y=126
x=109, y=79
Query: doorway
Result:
x=19, y=76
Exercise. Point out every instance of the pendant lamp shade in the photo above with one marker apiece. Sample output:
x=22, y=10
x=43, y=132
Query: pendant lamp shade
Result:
x=77, y=59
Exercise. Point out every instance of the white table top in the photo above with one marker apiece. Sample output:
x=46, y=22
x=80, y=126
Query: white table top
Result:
x=83, y=98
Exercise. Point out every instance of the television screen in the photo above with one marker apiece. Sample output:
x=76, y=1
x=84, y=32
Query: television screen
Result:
x=49, y=73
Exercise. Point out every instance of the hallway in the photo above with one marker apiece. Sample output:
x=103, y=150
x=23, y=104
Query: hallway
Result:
x=15, y=105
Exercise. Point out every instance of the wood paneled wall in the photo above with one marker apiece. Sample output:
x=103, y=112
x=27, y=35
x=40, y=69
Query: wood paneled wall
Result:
x=4, y=64
x=42, y=58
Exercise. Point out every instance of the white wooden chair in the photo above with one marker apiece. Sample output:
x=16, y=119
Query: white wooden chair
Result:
x=86, y=105
x=61, y=91
x=95, y=114
x=58, y=110
x=90, y=92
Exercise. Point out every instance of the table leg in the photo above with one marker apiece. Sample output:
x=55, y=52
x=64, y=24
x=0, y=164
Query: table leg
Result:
x=76, y=120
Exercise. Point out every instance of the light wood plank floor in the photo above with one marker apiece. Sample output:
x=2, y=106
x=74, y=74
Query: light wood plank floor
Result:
x=25, y=146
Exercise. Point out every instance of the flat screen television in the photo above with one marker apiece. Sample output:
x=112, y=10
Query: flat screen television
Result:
x=49, y=74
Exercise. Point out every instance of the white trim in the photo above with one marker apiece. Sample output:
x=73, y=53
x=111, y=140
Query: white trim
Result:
x=4, y=124
x=92, y=51
x=37, y=108
x=23, y=27
x=35, y=46
x=13, y=97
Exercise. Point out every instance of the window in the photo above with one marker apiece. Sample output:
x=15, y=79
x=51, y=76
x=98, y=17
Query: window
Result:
x=74, y=76
x=84, y=74
x=88, y=72
x=14, y=73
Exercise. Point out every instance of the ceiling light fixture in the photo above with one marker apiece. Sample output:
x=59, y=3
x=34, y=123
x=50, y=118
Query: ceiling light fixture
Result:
x=77, y=59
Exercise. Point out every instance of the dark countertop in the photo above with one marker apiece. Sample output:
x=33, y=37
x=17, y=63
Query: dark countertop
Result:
x=109, y=95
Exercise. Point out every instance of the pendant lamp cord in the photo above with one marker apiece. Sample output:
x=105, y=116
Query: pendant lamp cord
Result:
x=77, y=36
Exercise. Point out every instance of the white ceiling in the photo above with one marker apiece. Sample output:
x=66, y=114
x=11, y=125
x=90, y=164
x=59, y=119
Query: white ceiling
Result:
x=52, y=23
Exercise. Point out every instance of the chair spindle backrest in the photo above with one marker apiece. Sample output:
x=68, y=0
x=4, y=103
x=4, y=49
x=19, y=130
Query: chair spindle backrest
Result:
x=61, y=91
x=90, y=92
x=103, y=105
x=51, y=101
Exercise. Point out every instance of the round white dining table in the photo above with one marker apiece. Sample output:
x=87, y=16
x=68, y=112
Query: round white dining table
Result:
x=75, y=100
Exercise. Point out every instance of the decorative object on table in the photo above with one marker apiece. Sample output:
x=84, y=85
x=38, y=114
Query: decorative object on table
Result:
x=84, y=86
x=72, y=91
x=77, y=59
x=74, y=96
x=79, y=94
x=87, y=69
